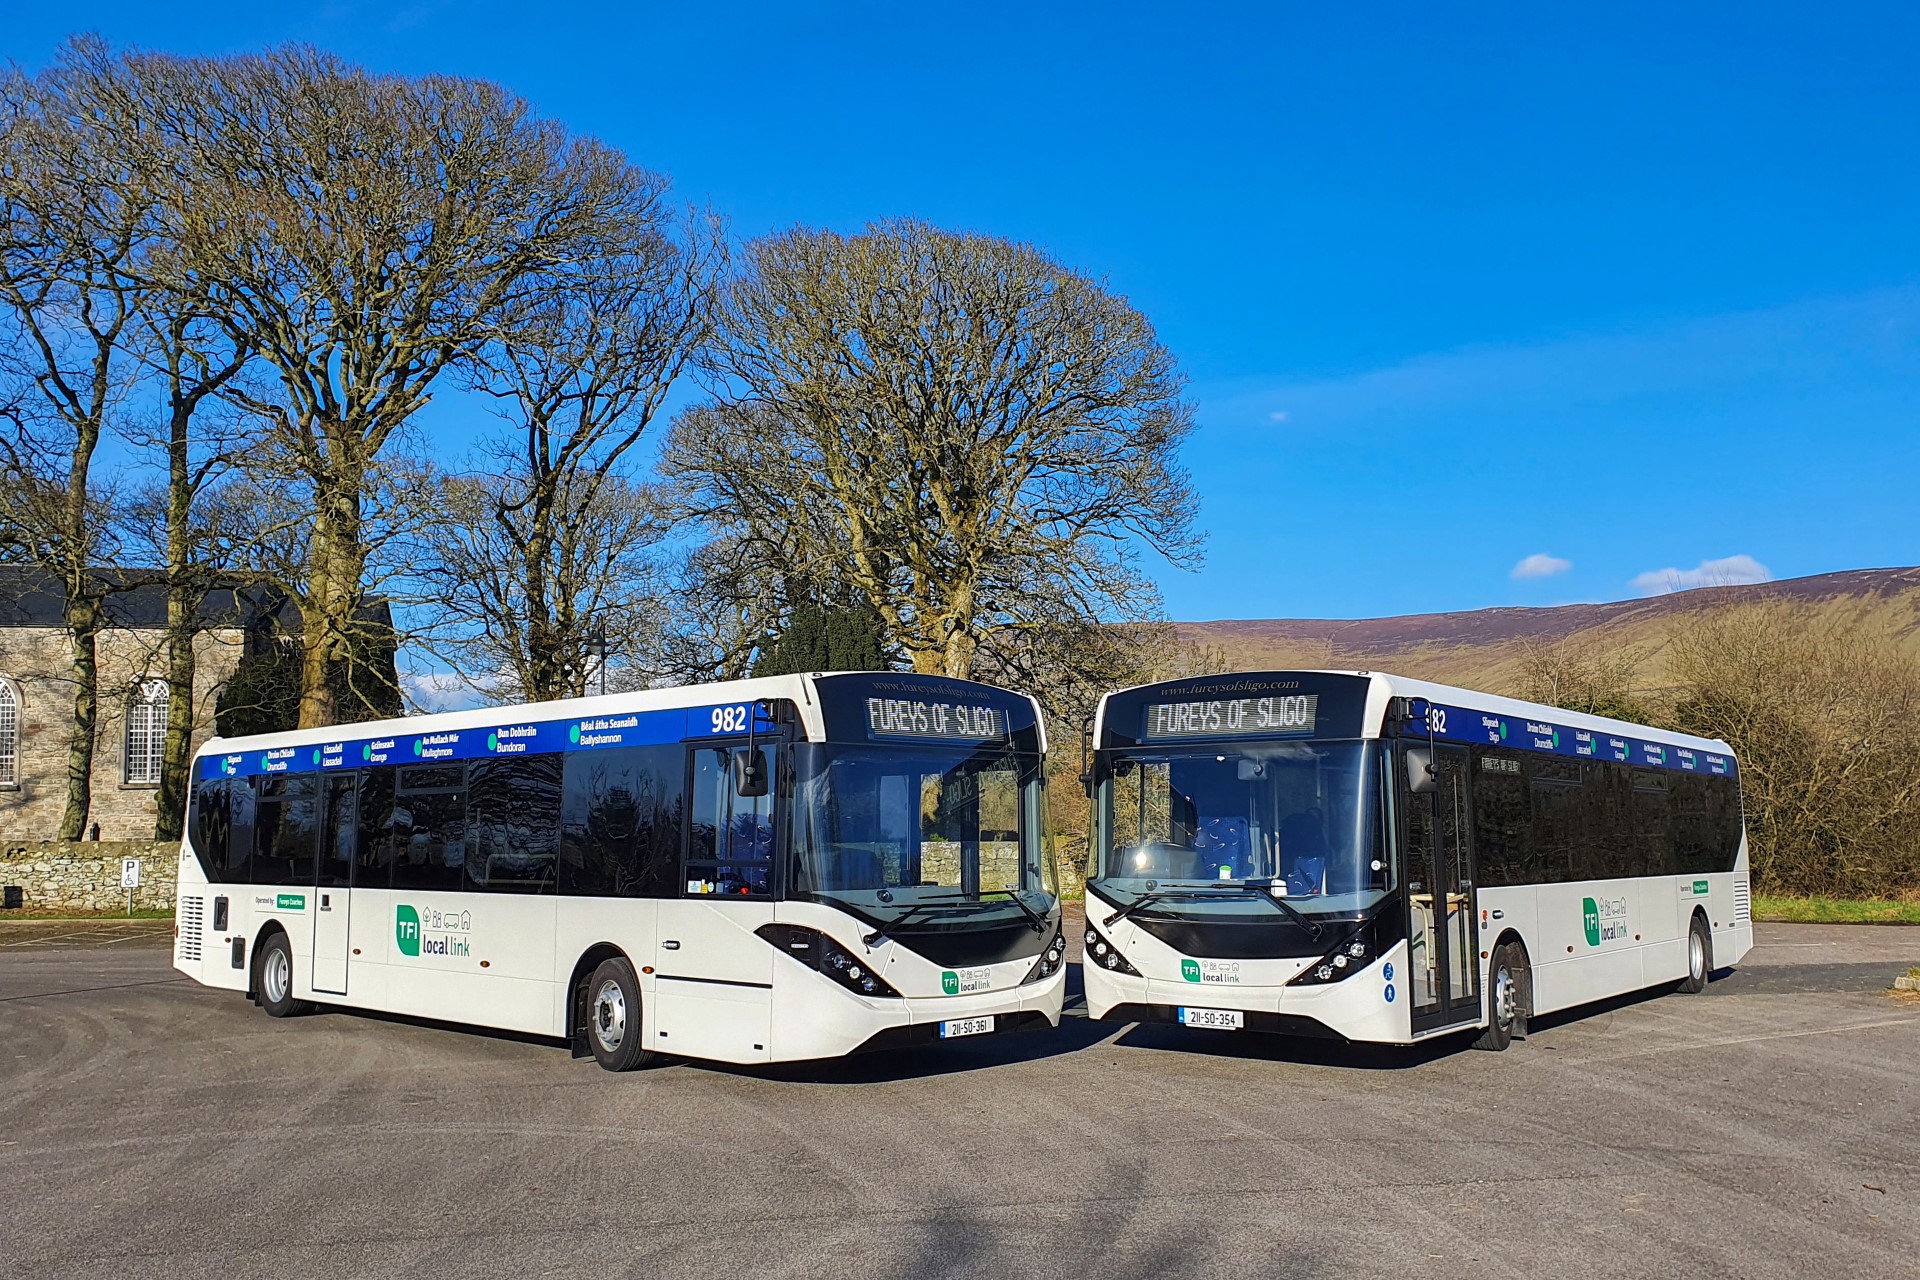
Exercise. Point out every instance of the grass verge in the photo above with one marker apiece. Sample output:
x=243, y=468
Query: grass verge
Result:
x=1834, y=910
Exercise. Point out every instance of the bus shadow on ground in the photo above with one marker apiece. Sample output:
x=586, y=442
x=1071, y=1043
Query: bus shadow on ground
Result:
x=1626, y=1000
x=1075, y=1032
x=437, y=1024
x=1305, y=1051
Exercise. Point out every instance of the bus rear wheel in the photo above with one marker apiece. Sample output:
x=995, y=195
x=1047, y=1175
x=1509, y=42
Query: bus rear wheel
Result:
x=612, y=1009
x=1699, y=958
x=273, y=977
x=1506, y=998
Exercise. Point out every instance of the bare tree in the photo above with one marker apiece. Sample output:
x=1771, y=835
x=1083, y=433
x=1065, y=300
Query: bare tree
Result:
x=1824, y=715
x=192, y=360
x=542, y=563
x=76, y=226
x=363, y=235
x=1583, y=674
x=972, y=437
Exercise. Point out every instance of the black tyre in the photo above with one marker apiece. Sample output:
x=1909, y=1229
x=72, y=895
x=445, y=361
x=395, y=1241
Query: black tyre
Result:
x=1699, y=958
x=273, y=977
x=611, y=1013
x=1506, y=999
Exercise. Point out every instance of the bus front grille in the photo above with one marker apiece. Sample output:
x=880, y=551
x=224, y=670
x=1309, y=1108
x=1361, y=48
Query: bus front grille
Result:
x=187, y=946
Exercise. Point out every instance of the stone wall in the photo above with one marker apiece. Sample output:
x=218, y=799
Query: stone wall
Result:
x=36, y=660
x=85, y=876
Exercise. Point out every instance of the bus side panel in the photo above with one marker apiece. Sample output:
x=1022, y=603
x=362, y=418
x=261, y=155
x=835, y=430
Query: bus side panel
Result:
x=627, y=923
x=1586, y=949
x=1515, y=909
x=713, y=988
x=485, y=959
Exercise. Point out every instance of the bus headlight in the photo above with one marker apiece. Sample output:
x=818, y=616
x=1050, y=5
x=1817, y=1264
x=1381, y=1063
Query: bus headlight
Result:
x=1360, y=948
x=1051, y=959
x=1102, y=954
x=821, y=953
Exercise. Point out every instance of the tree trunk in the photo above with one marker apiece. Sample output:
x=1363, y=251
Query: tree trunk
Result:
x=184, y=595
x=331, y=606
x=83, y=623
x=176, y=756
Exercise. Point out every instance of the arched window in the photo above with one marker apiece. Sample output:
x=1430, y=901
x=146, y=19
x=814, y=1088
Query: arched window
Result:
x=146, y=732
x=9, y=733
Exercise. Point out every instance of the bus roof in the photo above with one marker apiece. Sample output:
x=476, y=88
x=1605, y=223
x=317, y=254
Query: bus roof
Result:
x=801, y=690
x=1384, y=686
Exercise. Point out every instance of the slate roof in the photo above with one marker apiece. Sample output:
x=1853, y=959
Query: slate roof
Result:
x=31, y=597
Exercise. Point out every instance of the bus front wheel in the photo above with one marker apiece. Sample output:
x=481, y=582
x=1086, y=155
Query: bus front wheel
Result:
x=1506, y=998
x=613, y=1016
x=1699, y=958
x=273, y=977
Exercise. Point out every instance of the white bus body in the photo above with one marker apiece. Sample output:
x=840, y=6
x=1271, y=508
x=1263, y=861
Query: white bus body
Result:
x=498, y=867
x=1262, y=859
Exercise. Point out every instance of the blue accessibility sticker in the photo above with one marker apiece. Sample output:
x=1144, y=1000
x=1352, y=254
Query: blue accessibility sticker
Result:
x=1389, y=993
x=1387, y=972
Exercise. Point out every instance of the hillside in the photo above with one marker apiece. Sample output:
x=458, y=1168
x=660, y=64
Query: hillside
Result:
x=1479, y=648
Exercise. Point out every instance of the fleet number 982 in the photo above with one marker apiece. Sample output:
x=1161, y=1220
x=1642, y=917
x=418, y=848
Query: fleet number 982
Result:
x=730, y=719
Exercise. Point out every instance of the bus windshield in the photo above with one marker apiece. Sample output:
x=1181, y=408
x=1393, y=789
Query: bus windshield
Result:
x=1300, y=819
x=946, y=833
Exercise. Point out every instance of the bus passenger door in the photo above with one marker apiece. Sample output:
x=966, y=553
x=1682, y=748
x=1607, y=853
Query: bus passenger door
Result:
x=713, y=981
x=1443, y=970
x=338, y=847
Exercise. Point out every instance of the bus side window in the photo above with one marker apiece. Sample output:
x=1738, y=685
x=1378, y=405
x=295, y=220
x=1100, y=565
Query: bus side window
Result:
x=373, y=861
x=729, y=836
x=1502, y=818
x=211, y=825
x=286, y=828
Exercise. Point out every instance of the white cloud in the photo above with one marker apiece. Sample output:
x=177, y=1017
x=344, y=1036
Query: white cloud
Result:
x=1277, y=416
x=1733, y=571
x=434, y=691
x=1541, y=565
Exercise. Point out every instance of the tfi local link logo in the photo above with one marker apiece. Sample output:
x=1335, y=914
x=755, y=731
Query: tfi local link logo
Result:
x=1604, y=919
x=966, y=982
x=437, y=933
x=1209, y=970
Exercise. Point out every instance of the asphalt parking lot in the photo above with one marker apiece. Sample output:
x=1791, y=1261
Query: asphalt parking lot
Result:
x=149, y=1127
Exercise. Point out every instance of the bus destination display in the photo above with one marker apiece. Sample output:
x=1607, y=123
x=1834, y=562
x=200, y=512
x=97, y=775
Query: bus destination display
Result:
x=1291, y=714
x=912, y=718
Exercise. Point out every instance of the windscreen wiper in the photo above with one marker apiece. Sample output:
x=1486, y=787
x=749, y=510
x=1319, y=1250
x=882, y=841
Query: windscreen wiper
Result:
x=886, y=930
x=1238, y=889
x=1155, y=895
x=927, y=904
x=1039, y=921
x=1264, y=889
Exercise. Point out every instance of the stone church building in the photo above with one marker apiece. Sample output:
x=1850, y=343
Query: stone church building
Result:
x=36, y=699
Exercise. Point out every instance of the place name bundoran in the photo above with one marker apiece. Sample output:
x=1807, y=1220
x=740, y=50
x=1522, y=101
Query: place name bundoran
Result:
x=514, y=739
x=606, y=730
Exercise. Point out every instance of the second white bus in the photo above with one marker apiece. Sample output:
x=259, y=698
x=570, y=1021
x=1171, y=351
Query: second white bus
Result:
x=1364, y=856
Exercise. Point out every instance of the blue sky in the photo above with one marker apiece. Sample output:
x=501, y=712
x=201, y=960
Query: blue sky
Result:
x=1635, y=290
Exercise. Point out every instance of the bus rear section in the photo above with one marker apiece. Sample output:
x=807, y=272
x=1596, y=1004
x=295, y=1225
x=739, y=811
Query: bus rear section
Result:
x=766, y=871
x=1374, y=859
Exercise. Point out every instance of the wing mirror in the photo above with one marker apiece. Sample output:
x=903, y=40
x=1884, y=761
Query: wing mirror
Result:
x=749, y=773
x=1421, y=779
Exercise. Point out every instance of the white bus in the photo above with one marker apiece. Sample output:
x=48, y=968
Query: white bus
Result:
x=1362, y=856
x=766, y=870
